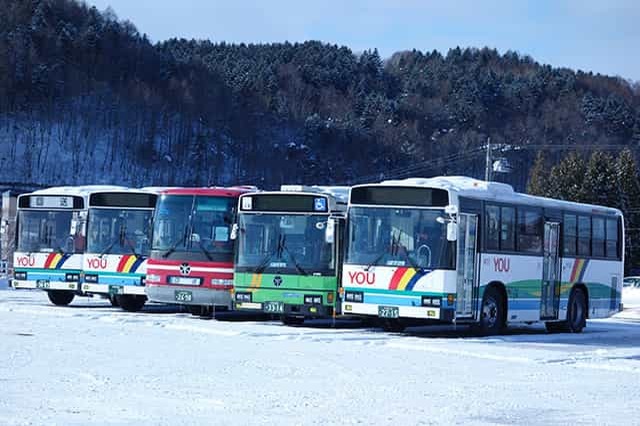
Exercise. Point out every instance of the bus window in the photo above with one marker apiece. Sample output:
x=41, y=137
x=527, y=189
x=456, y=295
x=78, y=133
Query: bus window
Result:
x=492, y=222
x=529, y=231
x=507, y=228
x=597, y=237
x=612, y=238
x=570, y=234
x=584, y=235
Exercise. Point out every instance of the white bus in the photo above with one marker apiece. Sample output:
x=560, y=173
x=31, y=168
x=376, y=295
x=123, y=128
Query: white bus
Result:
x=118, y=245
x=51, y=241
x=460, y=250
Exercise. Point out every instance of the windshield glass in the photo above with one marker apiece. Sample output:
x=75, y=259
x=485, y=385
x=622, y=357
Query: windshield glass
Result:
x=200, y=224
x=45, y=231
x=119, y=231
x=294, y=243
x=398, y=237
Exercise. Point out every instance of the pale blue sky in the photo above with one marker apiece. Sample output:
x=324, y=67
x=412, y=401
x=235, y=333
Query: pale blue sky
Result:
x=593, y=35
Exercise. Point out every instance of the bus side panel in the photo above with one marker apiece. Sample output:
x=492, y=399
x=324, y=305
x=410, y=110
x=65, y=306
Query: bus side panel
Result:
x=522, y=277
x=603, y=279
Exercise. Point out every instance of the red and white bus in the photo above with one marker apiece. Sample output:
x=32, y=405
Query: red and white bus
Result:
x=191, y=260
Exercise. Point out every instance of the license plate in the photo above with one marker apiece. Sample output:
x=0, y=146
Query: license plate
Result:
x=183, y=296
x=388, y=312
x=42, y=284
x=184, y=281
x=273, y=307
x=115, y=289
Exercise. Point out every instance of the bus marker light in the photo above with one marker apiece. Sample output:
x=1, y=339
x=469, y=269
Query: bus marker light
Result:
x=313, y=309
x=347, y=308
x=431, y=313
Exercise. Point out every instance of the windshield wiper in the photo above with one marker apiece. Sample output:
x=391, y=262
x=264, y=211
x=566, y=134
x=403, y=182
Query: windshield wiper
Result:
x=108, y=248
x=205, y=251
x=263, y=264
x=132, y=248
x=293, y=259
x=175, y=245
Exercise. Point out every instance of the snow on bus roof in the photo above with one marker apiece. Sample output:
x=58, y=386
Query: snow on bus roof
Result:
x=496, y=191
x=77, y=190
x=340, y=193
x=212, y=191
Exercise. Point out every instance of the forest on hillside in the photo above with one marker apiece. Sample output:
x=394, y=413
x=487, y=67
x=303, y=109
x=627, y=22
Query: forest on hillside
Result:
x=84, y=97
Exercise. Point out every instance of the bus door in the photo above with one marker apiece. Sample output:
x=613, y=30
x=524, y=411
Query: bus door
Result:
x=550, y=292
x=467, y=270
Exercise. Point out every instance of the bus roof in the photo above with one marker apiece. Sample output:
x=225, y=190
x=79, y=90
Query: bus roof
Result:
x=212, y=191
x=339, y=193
x=494, y=191
x=80, y=191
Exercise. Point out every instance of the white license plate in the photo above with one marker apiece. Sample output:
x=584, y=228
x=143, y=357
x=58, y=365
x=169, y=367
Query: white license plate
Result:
x=184, y=280
x=43, y=284
x=183, y=296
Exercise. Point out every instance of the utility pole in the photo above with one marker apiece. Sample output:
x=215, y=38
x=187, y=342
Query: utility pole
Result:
x=487, y=168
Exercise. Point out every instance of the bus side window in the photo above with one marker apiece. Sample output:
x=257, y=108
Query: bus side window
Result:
x=612, y=238
x=507, y=228
x=597, y=237
x=492, y=226
x=570, y=234
x=584, y=235
x=529, y=231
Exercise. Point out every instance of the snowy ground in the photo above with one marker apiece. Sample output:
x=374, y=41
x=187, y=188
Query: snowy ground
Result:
x=90, y=363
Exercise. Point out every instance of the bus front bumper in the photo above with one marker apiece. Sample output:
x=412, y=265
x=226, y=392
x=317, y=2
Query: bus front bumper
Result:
x=419, y=312
x=183, y=295
x=304, y=310
x=136, y=290
x=45, y=285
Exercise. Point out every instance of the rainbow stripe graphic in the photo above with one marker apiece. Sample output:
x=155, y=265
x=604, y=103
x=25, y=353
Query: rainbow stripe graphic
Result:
x=405, y=278
x=129, y=263
x=56, y=260
x=579, y=268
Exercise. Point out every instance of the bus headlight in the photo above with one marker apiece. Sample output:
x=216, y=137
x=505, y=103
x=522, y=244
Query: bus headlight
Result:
x=312, y=300
x=153, y=278
x=91, y=278
x=354, y=296
x=22, y=275
x=71, y=276
x=221, y=281
x=243, y=297
x=431, y=301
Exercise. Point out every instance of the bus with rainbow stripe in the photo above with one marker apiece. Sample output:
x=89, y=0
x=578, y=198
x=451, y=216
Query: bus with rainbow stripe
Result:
x=465, y=251
x=119, y=227
x=51, y=240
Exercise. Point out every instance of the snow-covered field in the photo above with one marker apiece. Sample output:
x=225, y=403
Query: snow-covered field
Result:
x=93, y=364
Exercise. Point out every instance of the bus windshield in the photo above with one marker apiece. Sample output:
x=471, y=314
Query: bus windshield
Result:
x=45, y=231
x=194, y=224
x=119, y=231
x=284, y=243
x=398, y=237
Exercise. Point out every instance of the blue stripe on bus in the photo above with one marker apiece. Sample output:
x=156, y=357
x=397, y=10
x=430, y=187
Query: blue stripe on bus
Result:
x=119, y=280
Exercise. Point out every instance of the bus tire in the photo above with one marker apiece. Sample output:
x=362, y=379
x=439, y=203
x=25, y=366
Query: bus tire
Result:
x=492, y=313
x=393, y=325
x=114, y=301
x=60, y=297
x=131, y=303
x=291, y=320
x=576, y=311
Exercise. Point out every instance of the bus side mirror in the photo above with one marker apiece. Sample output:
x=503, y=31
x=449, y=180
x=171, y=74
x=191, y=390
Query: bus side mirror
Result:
x=234, y=232
x=330, y=231
x=452, y=231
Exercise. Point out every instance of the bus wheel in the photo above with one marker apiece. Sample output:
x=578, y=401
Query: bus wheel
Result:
x=491, y=313
x=289, y=320
x=393, y=325
x=60, y=297
x=576, y=312
x=130, y=302
x=114, y=301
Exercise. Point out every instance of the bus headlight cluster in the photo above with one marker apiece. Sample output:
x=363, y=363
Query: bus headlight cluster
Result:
x=431, y=301
x=243, y=297
x=143, y=280
x=354, y=296
x=313, y=300
x=72, y=277
x=221, y=281
x=20, y=275
x=90, y=278
x=153, y=277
